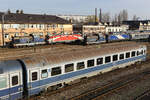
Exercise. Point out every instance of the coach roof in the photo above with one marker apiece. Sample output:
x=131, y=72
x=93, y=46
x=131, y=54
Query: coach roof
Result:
x=77, y=55
x=9, y=66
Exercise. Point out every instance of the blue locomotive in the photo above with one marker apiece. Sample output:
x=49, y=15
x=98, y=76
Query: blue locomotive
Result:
x=32, y=75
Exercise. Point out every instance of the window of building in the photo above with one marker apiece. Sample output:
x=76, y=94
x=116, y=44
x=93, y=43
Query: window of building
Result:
x=56, y=71
x=133, y=54
x=14, y=80
x=127, y=54
x=99, y=61
x=34, y=76
x=90, y=63
x=41, y=34
x=44, y=73
x=80, y=65
x=6, y=36
x=107, y=59
x=115, y=57
x=69, y=67
x=3, y=82
x=16, y=34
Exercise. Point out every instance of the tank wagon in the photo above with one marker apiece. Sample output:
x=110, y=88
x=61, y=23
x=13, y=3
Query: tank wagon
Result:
x=32, y=75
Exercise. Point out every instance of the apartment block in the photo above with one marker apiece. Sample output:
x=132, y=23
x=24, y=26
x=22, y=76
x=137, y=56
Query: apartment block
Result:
x=20, y=24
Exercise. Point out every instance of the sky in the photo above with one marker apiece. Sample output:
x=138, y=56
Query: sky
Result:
x=78, y=7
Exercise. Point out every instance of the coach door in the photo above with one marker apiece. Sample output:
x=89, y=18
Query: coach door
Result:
x=34, y=82
x=16, y=88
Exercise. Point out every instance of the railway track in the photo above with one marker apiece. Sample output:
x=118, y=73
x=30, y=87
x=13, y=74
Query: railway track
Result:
x=99, y=93
x=144, y=96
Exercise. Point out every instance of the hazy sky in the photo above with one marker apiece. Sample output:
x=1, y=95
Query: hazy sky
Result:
x=79, y=7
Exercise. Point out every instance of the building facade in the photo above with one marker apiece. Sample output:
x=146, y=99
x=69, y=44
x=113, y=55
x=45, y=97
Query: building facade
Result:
x=144, y=26
x=100, y=28
x=16, y=24
x=89, y=29
x=120, y=28
x=138, y=24
x=75, y=18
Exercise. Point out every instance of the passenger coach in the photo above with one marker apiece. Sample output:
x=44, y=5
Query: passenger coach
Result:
x=32, y=75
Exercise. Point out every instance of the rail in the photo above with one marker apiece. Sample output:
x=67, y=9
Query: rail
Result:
x=98, y=93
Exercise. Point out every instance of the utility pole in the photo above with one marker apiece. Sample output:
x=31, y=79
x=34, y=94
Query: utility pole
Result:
x=3, y=22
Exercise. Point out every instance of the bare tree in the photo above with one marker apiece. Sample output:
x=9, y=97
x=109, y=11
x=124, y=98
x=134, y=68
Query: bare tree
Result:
x=135, y=18
x=121, y=16
x=8, y=11
x=106, y=17
x=124, y=15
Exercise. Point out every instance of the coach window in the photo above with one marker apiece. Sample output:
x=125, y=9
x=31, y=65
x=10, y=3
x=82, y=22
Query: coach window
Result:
x=14, y=80
x=107, y=59
x=99, y=61
x=34, y=76
x=142, y=52
x=56, y=71
x=138, y=53
x=80, y=65
x=69, y=67
x=90, y=63
x=121, y=56
x=127, y=54
x=44, y=73
x=133, y=54
x=3, y=82
x=115, y=57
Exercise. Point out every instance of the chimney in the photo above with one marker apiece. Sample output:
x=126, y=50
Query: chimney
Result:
x=100, y=15
x=95, y=16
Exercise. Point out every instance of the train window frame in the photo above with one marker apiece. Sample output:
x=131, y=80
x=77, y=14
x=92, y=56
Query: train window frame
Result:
x=71, y=65
x=114, y=58
x=144, y=51
x=32, y=76
x=133, y=53
x=121, y=57
x=44, y=74
x=59, y=68
x=106, y=58
x=80, y=68
x=90, y=63
x=128, y=56
x=99, y=62
x=137, y=53
x=14, y=82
